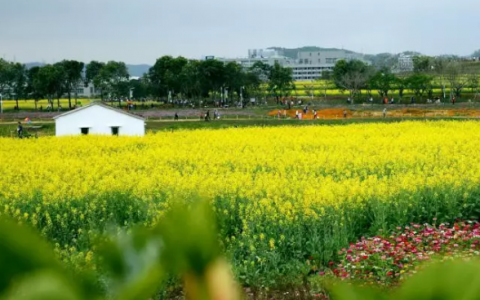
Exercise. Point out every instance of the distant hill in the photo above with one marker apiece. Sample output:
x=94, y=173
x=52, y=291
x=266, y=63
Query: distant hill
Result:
x=133, y=70
x=138, y=70
x=293, y=52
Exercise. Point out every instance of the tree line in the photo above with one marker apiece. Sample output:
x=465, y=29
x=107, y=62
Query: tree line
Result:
x=169, y=79
x=197, y=81
x=428, y=73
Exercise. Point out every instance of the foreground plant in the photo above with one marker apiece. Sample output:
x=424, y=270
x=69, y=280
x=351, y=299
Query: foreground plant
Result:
x=133, y=265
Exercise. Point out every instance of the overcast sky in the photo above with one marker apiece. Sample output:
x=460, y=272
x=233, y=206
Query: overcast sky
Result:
x=139, y=31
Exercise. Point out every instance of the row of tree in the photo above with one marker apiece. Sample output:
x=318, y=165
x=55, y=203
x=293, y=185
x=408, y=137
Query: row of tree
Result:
x=170, y=78
x=212, y=80
x=429, y=73
x=63, y=78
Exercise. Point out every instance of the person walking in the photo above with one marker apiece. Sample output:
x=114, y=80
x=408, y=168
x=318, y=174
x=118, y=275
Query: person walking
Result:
x=385, y=112
x=176, y=117
x=454, y=100
x=207, y=116
x=315, y=115
x=296, y=114
x=20, y=130
x=344, y=113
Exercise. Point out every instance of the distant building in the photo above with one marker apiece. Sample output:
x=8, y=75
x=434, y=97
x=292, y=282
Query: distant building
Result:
x=404, y=64
x=309, y=65
x=263, y=53
x=89, y=90
x=101, y=119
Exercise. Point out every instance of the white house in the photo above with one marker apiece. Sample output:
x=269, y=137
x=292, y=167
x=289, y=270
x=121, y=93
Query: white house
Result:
x=101, y=119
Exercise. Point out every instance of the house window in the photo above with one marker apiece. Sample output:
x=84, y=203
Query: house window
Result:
x=84, y=130
x=115, y=130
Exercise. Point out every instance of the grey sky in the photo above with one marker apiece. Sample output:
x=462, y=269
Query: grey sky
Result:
x=139, y=31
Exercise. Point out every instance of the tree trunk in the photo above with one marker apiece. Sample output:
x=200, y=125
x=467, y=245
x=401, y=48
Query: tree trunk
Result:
x=16, y=100
x=58, y=102
x=69, y=100
x=36, y=103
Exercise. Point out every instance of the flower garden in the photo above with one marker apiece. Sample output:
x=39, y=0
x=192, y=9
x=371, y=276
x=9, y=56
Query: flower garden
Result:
x=288, y=200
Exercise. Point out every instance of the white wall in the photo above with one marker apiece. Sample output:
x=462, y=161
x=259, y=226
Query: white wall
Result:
x=100, y=120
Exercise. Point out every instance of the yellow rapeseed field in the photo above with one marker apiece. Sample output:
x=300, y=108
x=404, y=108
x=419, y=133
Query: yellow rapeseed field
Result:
x=281, y=194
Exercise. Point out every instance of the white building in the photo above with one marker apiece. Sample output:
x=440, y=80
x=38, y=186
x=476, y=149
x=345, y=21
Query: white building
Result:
x=101, y=119
x=405, y=64
x=263, y=53
x=309, y=65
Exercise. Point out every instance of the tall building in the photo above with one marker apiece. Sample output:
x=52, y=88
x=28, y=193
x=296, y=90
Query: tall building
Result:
x=309, y=65
x=405, y=64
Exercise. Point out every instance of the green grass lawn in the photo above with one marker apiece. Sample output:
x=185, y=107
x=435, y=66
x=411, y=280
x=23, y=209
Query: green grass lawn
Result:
x=48, y=129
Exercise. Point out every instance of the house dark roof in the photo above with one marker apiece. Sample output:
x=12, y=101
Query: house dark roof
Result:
x=102, y=105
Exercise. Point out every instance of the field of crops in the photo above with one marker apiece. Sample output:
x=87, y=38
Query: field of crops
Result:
x=287, y=198
x=30, y=104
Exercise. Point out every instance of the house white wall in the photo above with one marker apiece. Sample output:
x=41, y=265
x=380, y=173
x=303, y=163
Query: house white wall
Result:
x=100, y=121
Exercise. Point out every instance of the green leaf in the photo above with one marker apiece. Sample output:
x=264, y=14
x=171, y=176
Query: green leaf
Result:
x=44, y=285
x=352, y=292
x=21, y=253
x=446, y=281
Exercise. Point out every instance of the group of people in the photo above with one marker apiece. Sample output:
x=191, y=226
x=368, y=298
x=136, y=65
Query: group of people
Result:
x=206, y=116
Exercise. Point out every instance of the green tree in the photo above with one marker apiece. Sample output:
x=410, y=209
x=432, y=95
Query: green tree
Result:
x=61, y=73
x=49, y=82
x=191, y=85
x=33, y=88
x=139, y=88
x=92, y=71
x=113, y=80
x=383, y=81
x=422, y=64
x=419, y=83
x=18, y=81
x=262, y=70
x=280, y=80
x=401, y=86
x=5, y=76
x=72, y=78
x=352, y=76
x=165, y=75
x=457, y=77
x=252, y=87
x=212, y=76
x=473, y=83
x=234, y=78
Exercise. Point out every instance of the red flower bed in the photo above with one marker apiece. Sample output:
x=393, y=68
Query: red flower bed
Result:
x=388, y=260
